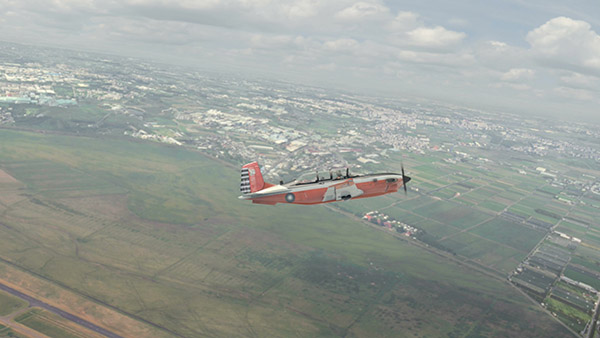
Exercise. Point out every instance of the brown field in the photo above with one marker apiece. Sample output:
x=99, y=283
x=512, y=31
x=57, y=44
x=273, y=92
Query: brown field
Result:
x=6, y=178
x=68, y=301
x=11, y=190
x=53, y=325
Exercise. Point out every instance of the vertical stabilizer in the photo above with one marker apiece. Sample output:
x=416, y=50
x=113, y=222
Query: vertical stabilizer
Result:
x=252, y=180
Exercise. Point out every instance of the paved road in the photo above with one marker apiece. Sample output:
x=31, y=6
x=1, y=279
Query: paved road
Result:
x=37, y=303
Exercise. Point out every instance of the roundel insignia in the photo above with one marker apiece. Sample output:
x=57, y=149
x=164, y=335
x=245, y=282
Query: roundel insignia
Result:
x=290, y=198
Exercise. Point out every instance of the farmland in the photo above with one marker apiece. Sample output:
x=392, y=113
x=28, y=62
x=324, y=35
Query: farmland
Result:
x=48, y=324
x=9, y=304
x=520, y=225
x=157, y=233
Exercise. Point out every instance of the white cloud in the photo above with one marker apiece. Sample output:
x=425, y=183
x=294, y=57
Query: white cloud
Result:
x=518, y=74
x=434, y=37
x=330, y=67
x=495, y=57
x=520, y=86
x=341, y=45
x=302, y=9
x=444, y=59
x=361, y=10
x=574, y=93
x=564, y=42
x=403, y=22
x=576, y=80
x=498, y=44
x=270, y=41
x=516, y=86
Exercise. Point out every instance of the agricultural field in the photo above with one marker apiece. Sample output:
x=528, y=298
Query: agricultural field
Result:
x=10, y=304
x=490, y=253
x=573, y=317
x=158, y=233
x=52, y=325
x=453, y=214
x=9, y=333
x=505, y=214
x=510, y=234
x=584, y=276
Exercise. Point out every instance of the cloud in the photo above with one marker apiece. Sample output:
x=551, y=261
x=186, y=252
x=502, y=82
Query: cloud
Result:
x=341, y=45
x=270, y=41
x=576, y=80
x=566, y=43
x=518, y=74
x=403, y=22
x=498, y=44
x=361, y=11
x=515, y=86
x=435, y=37
x=573, y=93
x=438, y=51
x=439, y=59
x=301, y=9
x=330, y=67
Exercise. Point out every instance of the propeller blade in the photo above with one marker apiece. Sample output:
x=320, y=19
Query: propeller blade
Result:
x=404, y=180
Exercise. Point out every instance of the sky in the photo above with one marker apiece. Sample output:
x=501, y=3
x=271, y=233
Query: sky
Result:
x=530, y=57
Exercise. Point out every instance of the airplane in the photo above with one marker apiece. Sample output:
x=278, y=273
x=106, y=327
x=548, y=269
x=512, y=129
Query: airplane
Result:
x=318, y=187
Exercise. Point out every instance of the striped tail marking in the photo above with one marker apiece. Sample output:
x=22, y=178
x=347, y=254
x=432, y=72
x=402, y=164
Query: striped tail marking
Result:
x=245, y=185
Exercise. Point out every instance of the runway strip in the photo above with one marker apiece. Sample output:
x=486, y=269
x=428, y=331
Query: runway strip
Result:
x=37, y=303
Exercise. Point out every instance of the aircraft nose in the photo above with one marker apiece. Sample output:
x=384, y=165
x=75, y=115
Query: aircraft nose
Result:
x=406, y=179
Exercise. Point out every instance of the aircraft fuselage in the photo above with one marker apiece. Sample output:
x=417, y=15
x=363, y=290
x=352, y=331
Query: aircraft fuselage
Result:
x=329, y=190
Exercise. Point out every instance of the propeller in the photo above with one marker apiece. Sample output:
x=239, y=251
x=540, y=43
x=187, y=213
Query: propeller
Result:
x=405, y=179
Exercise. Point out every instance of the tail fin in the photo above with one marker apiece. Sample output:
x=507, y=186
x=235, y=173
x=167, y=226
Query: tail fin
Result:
x=252, y=180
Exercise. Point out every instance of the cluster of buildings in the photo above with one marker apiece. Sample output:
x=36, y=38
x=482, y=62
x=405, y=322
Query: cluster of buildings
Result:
x=296, y=129
x=31, y=83
x=6, y=115
x=384, y=220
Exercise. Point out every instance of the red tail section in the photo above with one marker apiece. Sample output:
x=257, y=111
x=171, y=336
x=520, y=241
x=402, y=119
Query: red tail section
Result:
x=252, y=180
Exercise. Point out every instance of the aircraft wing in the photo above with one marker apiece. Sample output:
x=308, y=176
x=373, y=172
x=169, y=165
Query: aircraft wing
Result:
x=270, y=191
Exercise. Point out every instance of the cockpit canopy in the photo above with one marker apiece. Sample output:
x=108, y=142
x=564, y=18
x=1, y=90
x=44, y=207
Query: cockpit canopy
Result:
x=320, y=176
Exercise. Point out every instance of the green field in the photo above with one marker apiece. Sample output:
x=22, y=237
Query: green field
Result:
x=492, y=205
x=46, y=323
x=511, y=234
x=581, y=277
x=571, y=229
x=158, y=232
x=490, y=253
x=10, y=304
x=7, y=332
x=571, y=316
x=453, y=214
x=416, y=202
